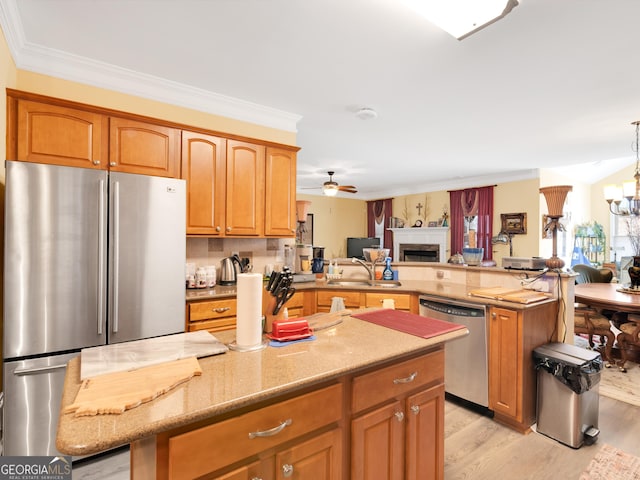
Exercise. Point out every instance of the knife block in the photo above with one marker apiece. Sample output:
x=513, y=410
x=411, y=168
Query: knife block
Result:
x=269, y=317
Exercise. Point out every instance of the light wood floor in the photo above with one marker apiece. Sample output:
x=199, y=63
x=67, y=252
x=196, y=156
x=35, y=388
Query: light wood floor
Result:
x=478, y=448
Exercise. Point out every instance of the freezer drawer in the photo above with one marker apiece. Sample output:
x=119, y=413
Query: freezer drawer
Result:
x=32, y=397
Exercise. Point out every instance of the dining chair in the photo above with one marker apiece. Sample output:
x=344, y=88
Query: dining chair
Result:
x=628, y=337
x=590, y=321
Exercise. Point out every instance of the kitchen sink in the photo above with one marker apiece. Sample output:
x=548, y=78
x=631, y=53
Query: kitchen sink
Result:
x=365, y=283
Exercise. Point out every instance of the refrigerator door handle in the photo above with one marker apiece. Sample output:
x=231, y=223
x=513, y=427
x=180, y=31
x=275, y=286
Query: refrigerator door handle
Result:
x=116, y=255
x=101, y=254
x=37, y=370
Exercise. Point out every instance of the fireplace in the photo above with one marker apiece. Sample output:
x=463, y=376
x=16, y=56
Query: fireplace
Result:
x=426, y=244
x=419, y=252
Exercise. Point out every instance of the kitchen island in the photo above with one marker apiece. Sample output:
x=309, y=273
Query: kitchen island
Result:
x=328, y=396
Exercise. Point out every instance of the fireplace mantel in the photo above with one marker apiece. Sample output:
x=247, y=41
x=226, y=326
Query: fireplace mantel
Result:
x=422, y=235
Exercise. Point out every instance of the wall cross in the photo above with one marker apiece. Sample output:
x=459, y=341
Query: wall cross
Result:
x=419, y=206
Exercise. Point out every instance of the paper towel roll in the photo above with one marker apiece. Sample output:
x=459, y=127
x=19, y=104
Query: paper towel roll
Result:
x=249, y=301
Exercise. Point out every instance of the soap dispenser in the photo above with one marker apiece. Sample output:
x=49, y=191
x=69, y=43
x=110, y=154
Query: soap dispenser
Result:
x=387, y=273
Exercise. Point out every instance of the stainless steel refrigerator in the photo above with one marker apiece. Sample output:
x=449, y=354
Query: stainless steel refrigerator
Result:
x=91, y=258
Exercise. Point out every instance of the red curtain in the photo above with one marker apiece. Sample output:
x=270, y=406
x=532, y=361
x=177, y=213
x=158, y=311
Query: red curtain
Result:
x=380, y=211
x=472, y=202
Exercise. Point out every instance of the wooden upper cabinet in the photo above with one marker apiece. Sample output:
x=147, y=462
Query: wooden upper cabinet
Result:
x=143, y=148
x=280, y=193
x=203, y=167
x=59, y=135
x=245, y=189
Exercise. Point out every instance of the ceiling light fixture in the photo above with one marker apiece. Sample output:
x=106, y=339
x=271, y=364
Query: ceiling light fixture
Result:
x=366, y=113
x=330, y=190
x=461, y=18
x=630, y=190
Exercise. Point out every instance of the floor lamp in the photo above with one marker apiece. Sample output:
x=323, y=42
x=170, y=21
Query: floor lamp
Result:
x=555, y=197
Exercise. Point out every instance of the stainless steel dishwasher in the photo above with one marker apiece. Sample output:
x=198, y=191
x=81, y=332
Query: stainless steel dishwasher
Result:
x=466, y=360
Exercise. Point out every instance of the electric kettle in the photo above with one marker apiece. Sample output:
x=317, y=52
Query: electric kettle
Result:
x=228, y=273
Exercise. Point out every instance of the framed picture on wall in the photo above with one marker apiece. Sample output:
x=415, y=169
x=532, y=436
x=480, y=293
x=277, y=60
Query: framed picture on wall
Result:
x=514, y=222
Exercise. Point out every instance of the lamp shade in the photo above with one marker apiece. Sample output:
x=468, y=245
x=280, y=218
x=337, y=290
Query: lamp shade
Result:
x=555, y=197
x=302, y=208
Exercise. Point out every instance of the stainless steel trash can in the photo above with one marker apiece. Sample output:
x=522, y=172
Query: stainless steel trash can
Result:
x=568, y=397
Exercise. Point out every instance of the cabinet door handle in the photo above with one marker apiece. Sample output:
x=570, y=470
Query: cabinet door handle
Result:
x=218, y=228
x=399, y=416
x=113, y=164
x=415, y=409
x=272, y=431
x=228, y=229
x=287, y=470
x=408, y=379
x=96, y=162
x=220, y=309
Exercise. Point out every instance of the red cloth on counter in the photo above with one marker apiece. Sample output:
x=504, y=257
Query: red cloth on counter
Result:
x=410, y=323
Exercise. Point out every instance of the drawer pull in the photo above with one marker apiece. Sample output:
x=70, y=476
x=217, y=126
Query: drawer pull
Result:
x=287, y=470
x=408, y=379
x=256, y=478
x=415, y=409
x=220, y=309
x=271, y=431
x=399, y=416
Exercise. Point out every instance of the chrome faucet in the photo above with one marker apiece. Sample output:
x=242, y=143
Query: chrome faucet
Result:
x=370, y=269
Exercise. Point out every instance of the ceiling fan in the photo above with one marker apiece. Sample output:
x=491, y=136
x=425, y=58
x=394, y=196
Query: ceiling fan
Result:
x=331, y=188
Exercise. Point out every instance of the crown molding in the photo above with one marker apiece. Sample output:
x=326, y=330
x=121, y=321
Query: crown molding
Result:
x=48, y=61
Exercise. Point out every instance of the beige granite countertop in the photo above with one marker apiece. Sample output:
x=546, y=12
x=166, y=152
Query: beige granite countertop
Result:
x=421, y=287
x=239, y=379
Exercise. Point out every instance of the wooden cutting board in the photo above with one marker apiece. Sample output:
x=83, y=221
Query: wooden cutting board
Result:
x=510, y=294
x=120, y=391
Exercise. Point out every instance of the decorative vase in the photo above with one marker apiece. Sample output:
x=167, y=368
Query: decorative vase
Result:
x=634, y=273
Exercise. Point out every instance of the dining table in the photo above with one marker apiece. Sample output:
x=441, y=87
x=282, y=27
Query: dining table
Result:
x=615, y=297
x=610, y=296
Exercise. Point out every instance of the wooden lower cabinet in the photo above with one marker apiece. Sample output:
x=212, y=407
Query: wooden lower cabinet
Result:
x=317, y=458
x=324, y=298
x=252, y=471
x=386, y=422
x=513, y=335
x=354, y=299
x=212, y=315
x=404, y=436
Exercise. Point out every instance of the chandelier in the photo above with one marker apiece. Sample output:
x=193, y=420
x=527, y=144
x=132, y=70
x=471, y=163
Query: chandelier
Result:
x=630, y=191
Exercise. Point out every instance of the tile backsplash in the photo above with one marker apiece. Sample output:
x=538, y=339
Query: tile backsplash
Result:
x=261, y=251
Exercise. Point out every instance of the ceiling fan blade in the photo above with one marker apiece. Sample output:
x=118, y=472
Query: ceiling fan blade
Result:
x=348, y=186
x=348, y=189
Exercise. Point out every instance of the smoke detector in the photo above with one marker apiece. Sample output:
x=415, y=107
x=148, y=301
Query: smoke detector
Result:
x=366, y=113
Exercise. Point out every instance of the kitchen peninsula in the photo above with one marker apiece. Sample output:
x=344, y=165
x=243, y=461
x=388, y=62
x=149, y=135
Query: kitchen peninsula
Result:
x=309, y=405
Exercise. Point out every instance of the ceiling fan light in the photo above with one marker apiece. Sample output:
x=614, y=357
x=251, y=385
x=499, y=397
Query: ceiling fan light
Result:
x=330, y=190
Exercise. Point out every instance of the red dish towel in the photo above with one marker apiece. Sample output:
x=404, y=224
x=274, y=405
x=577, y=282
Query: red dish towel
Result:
x=406, y=322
